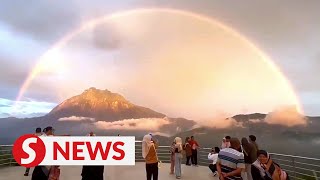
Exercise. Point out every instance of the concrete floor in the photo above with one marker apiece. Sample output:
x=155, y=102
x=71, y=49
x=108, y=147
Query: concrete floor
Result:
x=136, y=172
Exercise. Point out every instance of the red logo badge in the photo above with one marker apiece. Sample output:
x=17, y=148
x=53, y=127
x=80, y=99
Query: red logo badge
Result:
x=29, y=150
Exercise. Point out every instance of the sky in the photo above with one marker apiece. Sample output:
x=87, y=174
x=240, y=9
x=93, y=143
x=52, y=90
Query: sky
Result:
x=172, y=63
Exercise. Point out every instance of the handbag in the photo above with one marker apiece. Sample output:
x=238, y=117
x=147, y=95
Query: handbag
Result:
x=159, y=162
x=54, y=173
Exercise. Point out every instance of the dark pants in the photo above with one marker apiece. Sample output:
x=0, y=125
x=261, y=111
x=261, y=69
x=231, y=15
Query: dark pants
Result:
x=92, y=172
x=27, y=170
x=38, y=174
x=188, y=160
x=194, y=158
x=152, y=171
x=213, y=168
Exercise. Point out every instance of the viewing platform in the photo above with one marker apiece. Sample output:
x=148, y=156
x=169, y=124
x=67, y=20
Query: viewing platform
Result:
x=136, y=172
x=298, y=168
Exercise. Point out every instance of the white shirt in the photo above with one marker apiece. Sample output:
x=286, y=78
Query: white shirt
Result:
x=213, y=157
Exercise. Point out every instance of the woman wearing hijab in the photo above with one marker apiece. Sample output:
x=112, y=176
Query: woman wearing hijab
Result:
x=178, y=156
x=249, y=156
x=225, y=142
x=265, y=169
x=149, y=153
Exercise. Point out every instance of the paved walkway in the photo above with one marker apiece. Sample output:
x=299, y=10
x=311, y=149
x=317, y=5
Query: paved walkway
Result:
x=136, y=172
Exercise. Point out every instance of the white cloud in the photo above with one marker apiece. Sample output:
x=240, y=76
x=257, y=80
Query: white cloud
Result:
x=23, y=109
x=161, y=134
x=150, y=124
x=75, y=118
x=255, y=120
x=220, y=123
x=287, y=116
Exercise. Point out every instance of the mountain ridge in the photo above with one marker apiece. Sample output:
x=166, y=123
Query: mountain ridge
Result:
x=102, y=105
x=113, y=110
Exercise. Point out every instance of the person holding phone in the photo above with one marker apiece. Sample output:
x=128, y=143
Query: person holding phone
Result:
x=213, y=156
x=149, y=153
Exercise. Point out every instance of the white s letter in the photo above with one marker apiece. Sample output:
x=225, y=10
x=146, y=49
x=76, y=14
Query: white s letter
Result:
x=26, y=148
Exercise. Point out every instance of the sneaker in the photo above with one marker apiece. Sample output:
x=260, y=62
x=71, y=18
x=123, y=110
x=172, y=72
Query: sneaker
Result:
x=178, y=177
x=26, y=174
x=215, y=173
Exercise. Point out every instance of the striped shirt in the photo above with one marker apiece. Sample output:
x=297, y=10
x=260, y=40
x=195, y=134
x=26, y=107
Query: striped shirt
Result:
x=230, y=160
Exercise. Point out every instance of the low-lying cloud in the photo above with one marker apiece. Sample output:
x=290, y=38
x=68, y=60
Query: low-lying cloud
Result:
x=256, y=120
x=220, y=122
x=76, y=118
x=161, y=134
x=288, y=116
x=150, y=124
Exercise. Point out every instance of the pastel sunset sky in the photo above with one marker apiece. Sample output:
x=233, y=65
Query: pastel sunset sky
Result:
x=175, y=63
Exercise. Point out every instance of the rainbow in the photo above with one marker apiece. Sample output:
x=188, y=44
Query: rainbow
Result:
x=94, y=22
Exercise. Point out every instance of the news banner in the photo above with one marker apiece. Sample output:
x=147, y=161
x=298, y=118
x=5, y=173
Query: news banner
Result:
x=30, y=150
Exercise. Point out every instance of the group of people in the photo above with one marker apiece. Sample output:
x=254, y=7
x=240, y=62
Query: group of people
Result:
x=53, y=172
x=244, y=160
x=177, y=151
x=44, y=172
x=235, y=160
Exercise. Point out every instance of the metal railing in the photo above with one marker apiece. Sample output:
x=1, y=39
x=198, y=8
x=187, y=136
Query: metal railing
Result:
x=6, y=157
x=298, y=168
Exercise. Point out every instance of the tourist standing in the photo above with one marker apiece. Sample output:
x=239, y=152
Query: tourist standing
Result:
x=225, y=142
x=178, y=156
x=37, y=133
x=92, y=172
x=252, y=140
x=149, y=153
x=194, y=145
x=172, y=157
x=43, y=172
x=249, y=155
x=188, y=150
